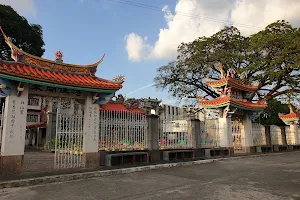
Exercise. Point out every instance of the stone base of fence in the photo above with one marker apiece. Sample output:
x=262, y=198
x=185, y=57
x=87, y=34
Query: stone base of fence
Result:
x=278, y=148
x=266, y=148
x=258, y=149
x=199, y=153
x=231, y=150
x=91, y=160
x=155, y=155
x=295, y=147
x=125, y=158
x=179, y=154
x=263, y=149
x=11, y=164
x=217, y=152
x=250, y=149
x=158, y=155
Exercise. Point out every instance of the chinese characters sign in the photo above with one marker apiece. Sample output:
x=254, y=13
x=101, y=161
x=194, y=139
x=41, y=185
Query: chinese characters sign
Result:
x=46, y=90
x=14, y=127
x=91, y=127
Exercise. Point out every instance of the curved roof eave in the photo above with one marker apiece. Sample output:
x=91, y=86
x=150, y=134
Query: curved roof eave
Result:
x=11, y=45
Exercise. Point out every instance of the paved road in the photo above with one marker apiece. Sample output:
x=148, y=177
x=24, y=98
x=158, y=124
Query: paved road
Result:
x=272, y=177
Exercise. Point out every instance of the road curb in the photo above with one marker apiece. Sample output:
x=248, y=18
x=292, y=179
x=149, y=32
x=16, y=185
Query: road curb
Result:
x=86, y=175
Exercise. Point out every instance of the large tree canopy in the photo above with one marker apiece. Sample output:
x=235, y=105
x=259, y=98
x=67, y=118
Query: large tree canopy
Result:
x=28, y=37
x=270, y=57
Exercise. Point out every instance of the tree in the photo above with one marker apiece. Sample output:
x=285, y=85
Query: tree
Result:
x=270, y=57
x=278, y=54
x=197, y=60
x=28, y=37
x=270, y=114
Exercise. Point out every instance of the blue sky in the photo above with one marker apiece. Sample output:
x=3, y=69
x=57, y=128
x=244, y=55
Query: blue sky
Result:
x=83, y=31
x=137, y=41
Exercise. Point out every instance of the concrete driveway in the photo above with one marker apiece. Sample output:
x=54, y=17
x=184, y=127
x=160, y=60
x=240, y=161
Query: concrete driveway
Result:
x=272, y=177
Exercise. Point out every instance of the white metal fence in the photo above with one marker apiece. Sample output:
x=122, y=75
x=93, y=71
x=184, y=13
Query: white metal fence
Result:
x=69, y=136
x=175, y=134
x=276, y=136
x=259, y=135
x=210, y=133
x=122, y=131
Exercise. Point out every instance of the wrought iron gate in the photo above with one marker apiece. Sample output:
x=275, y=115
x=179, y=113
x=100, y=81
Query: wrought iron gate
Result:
x=238, y=137
x=69, y=134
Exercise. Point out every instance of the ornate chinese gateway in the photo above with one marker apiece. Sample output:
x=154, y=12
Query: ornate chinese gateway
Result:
x=235, y=109
x=292, y=120
x=51, y=105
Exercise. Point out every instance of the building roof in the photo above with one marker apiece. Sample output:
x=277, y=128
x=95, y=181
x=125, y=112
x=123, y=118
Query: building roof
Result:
x=118, y=107
x=29, y=68
x=15, y=70
x=225, y=101
x=291, y=117
x=233, y=83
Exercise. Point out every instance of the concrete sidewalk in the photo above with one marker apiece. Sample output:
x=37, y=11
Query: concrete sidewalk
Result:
x=84, y=174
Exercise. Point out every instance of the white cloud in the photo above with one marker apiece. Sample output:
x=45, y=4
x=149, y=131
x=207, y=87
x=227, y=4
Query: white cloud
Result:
x=23, y=7
x=136, y=47
x=195, y=18
x=261, y=13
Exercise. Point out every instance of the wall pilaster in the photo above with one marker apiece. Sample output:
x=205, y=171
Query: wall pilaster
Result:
x=225, y=131
x=90, y=156
x=14, y=131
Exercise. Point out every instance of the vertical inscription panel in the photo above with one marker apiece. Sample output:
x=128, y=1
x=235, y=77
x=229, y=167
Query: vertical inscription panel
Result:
x=14, y=127
x=91, y=126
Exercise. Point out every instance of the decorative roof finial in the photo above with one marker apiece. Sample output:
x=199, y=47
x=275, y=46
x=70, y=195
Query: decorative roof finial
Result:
x=119, y=79
x=59, y=56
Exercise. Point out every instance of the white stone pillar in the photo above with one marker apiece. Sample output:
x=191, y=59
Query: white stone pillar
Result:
x=90, y=133
x=225, y=131
x=14, y=131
